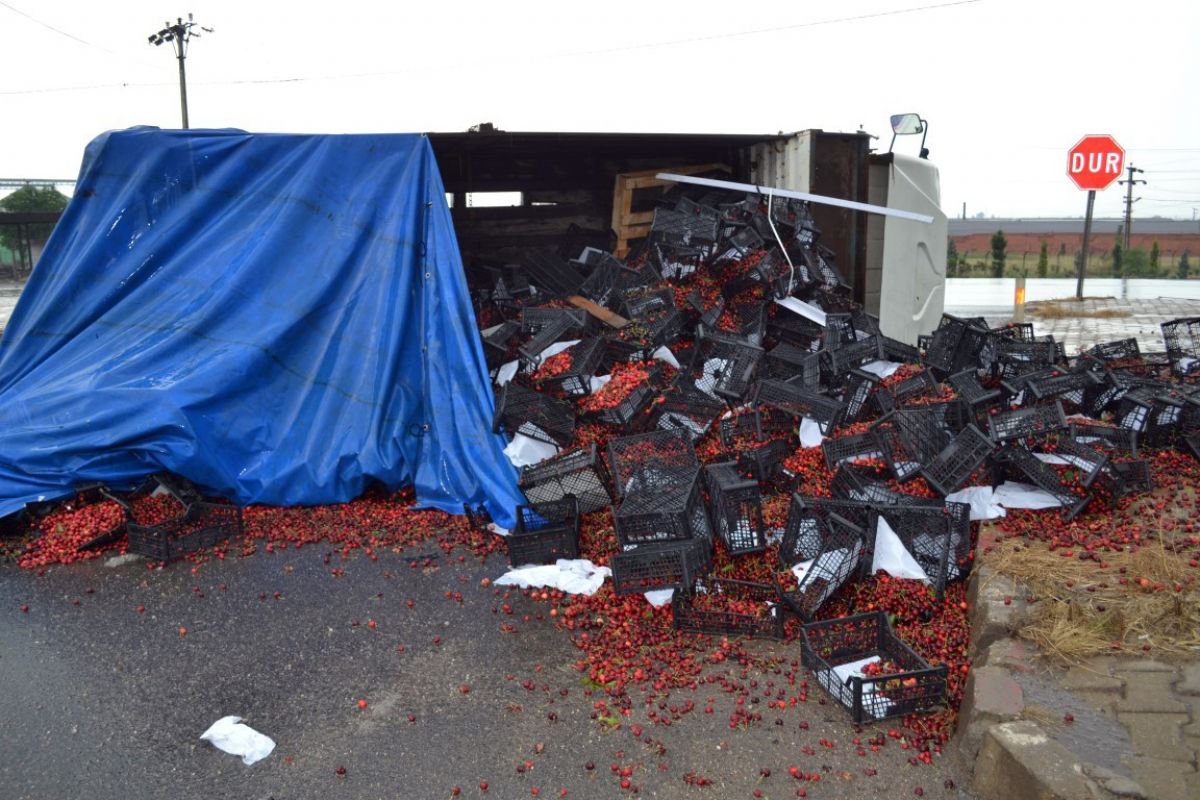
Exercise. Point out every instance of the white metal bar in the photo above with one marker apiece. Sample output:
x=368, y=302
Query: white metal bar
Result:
x=812, y=198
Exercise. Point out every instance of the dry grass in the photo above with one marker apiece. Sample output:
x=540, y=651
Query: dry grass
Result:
x=1070, y=308
x=1071, y=623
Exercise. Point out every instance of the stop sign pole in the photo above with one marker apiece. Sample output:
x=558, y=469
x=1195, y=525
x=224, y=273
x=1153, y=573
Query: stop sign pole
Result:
x=1093, y=164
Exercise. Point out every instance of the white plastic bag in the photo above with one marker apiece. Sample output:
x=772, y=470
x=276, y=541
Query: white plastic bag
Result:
x=229, y=735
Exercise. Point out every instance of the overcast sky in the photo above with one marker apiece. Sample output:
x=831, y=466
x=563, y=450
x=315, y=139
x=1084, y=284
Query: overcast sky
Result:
x=1008, y=86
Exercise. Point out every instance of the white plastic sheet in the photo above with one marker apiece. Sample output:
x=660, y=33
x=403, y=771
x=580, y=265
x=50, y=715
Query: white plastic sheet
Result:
x=874, y=703
x=892, y=556
x=229, y=735
x=806, y=310
x=982, y=501
x=573, y=576
x=883, y=369
x=666, y=356
x=1021, y=495
x=523, y=451
x=810, y=433
x=659, y=597
x=598, y=381
x=507, y=372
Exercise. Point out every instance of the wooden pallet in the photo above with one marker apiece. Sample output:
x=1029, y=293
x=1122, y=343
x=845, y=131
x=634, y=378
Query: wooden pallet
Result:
x=630, y=225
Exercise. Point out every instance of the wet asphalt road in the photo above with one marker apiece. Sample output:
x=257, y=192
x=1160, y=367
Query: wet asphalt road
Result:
x=100, y=701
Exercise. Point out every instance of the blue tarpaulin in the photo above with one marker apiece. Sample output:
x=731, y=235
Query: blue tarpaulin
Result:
x=280, y=318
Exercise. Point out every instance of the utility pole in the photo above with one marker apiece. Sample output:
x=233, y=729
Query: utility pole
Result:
x=179, y=34
x=1129, y=199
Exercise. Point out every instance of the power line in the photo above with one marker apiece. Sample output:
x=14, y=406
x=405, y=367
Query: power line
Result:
x=50, y=27
x=570, y=54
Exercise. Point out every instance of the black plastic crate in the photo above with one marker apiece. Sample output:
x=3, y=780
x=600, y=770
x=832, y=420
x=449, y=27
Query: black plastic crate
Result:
x=838, y=558
x=860, y=388
x=1182, y=337
x=796, y=401
x=652, y=567
x=661, y=458
x=849, y=355
x=1036, y=353
x=203, y=525
x=1135, y=476
x=1072, y=386
x=764, y=462
x=633, y=403
x=708, y=318
x=1093, y=433
x=580, y=473
x=735, y=508
x=1027, y=423
x=863, y=484
x=1021, y=331
x=1116, y=350
x=853, y=447
x=550, y=272
x=811, y=519
x=1134, y=409
x=662, y=514
x=914, y=687
x=952, y=467
x=552, y=331
x=798, y=331
x=922, y=384
x=603, y=283
x=973, y=393
x=938, y=537
x=690, y=225
x=726, y=366
x=704, y=607
x=587, y=359
x=924, y=431
x=786, y=362
x=956, y=344
x=685, y=407
x=1093, y=465
x=638, y=340
x=895, y=350
x=1044, y=477
x=477, y=517
x=537, y=318
x=545, y=532
x=904, y=462
x=497, y=343
x=533, y=414
x=645, y=300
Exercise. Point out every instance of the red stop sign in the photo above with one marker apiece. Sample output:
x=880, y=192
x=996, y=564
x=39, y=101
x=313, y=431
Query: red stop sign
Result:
x=1095, y=162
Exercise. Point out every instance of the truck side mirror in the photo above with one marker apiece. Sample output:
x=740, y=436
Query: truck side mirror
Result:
x=907, y=124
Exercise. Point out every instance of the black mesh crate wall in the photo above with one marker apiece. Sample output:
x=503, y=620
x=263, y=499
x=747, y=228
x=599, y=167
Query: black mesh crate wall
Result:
x=895, y=350
x=810, y=520
x=708, y=318
x=955, y=344
x=923, y=430
x=1133, y=410
x=477, y=516
x=1093, y=465
x=860, y=386
x=726, y=366
x=535, y=318
x=707, y=607
x=545, y=532
x=1135, y=476
x=1046, y=478
x=866, y=485
x=952, y=467
x=764, y=462
x=633, y=403
x=533, y=414
x=852, y=447
x=1030, y=422
x=904, y=462
x=641, y=337
x=938, y=537
x=550, y=272
x=798, y=331
x=973, y=393
x=688, y=226
x=496, y=343
x=1012, y=352
x=839, y=362
x=660, y=458
x=203, y=525
x=664, y=514
x=552, y=331
x=651, y=567
x=637, y=303
x=839, y=557
x=685, y=407
x=1115, y=350
x=1070, y=386
x=922, y=384
x=797, y=401
x=915, y=686
x=581, y=473
x=587, y=358
x=735, y=508
x=1182, y=337
x=1094, y=433
x=788, y=362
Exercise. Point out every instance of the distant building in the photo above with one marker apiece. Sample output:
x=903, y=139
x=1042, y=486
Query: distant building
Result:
x=1026, y=235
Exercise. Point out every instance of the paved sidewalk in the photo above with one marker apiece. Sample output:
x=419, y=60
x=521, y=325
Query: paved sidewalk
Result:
x=1142, y=320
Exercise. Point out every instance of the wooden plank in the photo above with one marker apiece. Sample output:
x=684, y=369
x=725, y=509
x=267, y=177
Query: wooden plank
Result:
x=610, y=318
x=628, y=224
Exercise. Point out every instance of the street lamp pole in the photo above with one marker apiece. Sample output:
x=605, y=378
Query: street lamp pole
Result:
x=179, y=34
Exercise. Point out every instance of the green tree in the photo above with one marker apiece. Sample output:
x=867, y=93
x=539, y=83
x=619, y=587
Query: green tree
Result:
x=1118, y=259
x=1043, y=267
x=951, y=257
x=1154, y=257
x=999, y=253
x=1136, y=262
x=31, y=198
x=1184, y=266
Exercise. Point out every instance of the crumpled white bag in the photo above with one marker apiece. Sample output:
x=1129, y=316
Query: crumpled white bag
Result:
x=597, y=382
x=523, y=451
x=806, y=310
x=229, y=735
x=573, y=576
x=659, y=597
x=507, y=372
x=892, y=556
x=982, y=501
x=666, y=356
x=810, y=433
x=1011, y=494
x=883, y=369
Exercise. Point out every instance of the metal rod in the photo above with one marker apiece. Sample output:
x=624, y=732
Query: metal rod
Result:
x=812, y=198
x=183, y=85
x=1087, y=235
